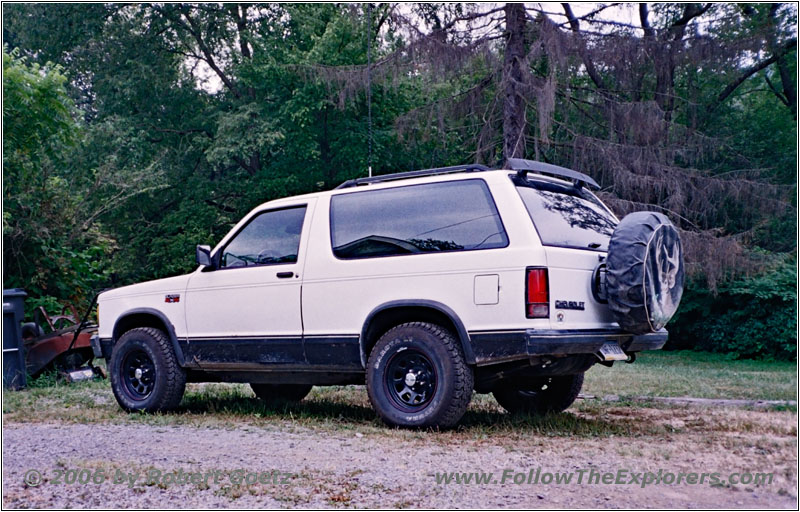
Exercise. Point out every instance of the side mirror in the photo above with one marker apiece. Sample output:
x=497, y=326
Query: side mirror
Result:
x=203, y=256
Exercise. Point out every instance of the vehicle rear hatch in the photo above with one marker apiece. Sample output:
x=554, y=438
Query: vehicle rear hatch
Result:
x=575, y=228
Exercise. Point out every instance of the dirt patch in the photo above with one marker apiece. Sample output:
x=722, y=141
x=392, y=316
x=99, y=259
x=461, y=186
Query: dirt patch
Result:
x=688, y=400
x=376, y=467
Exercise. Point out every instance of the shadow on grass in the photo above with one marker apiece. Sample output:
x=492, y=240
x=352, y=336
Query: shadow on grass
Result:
x=246, y=406
x=337, y=408
x=478, y=422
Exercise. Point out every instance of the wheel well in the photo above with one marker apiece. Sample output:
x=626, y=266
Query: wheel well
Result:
x=390, y=317
x=148, y=318
x=136, y=320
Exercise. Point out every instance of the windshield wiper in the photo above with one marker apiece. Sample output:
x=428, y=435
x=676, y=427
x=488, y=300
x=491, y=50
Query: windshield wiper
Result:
x=594, y=245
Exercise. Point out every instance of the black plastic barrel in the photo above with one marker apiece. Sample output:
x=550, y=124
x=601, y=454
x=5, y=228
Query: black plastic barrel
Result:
x=14, y=376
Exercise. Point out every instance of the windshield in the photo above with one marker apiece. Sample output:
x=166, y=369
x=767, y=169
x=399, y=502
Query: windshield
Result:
x=567, y=216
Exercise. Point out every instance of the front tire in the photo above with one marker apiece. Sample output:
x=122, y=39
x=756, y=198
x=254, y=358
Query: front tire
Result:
x=549, y=394
x=417, y=377
x=145, y=374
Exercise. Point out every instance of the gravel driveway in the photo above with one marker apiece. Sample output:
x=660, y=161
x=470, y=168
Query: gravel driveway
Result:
x=341, y=468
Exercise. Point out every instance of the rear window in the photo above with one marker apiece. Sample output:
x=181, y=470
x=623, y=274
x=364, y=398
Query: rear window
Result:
x=566, y=216
x=416, y=219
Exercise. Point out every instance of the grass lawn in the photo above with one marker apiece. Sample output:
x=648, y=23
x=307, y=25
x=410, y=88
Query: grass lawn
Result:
x=695, y=374
x=348, y=407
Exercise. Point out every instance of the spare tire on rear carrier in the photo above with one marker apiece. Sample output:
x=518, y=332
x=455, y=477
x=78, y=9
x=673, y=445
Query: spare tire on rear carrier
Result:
x=644, y=272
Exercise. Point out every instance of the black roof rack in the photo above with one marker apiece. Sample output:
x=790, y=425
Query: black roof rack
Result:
x=413, y=174
x=523, y=167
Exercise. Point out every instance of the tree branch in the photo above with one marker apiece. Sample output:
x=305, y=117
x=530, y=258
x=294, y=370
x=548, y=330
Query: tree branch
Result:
x=690, y=12
x=246, y=166
x=470, y=17
x=209, y=58
x=591, y=14
x=223, y=207
x=575, y=25
x=194, y=30
x=778, y=94
x=239, y=14
x=752, y=70
x=384, y=17
x=789, y=92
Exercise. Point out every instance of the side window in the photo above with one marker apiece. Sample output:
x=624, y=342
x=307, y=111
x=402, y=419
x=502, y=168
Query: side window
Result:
x=437, y=217
x=269, y=238
x=566, y=216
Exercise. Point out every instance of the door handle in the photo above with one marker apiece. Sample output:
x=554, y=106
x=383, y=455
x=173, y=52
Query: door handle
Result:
x=284, y=275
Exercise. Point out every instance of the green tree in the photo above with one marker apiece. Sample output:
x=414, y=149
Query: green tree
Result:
x=44, y=248
x=185, y=116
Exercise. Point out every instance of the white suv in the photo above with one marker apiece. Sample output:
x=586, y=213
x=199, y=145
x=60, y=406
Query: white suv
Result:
x=424, y=285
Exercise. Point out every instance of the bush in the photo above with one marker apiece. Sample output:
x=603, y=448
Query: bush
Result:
x=752, y=317
x=50, y=248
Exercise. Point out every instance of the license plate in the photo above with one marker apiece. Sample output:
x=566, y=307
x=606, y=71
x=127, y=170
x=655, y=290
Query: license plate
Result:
x=611, y=351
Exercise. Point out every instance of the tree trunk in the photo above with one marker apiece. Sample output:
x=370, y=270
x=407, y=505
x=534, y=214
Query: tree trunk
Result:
x=664, y=50
x=514, y=74
x=789, y=89
x=325, y=154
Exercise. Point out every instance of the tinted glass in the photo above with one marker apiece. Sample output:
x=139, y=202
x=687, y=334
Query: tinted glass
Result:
x=449, y=216
x=269, y=238
x=568, y=217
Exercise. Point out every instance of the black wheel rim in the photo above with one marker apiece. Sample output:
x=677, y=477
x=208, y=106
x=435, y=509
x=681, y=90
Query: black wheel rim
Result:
x=410, y=380
x=138, y=375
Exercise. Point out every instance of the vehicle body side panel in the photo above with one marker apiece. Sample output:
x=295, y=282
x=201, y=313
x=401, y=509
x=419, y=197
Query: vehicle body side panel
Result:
x=150, y=294
x=572, y=304
x=338, y=295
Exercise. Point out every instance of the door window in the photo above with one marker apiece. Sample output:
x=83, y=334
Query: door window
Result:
x=270, y=238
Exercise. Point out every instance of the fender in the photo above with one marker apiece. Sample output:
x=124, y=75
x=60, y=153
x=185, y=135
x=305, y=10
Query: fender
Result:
x=163, y=319
x=461, y=332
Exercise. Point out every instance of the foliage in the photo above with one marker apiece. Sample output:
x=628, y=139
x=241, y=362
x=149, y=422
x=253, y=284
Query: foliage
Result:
x=751, y=317
x=161, y=125
x=43, y=251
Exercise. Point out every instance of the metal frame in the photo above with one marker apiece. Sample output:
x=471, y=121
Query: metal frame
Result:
x=413, y=174
x=522, y=166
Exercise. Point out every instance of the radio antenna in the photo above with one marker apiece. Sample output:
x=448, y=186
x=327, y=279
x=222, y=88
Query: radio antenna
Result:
x=369, y=88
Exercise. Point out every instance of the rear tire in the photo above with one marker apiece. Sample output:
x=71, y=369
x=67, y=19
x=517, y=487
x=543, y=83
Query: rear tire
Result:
x=280, y=394
x=417, y=377
x=550, y=394
x=145, y=374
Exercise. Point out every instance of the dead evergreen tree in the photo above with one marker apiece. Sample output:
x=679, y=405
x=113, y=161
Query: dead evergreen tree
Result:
x=583, y=91
x=622, y=115
x=644, y=157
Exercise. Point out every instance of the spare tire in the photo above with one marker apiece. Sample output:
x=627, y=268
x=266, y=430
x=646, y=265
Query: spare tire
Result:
x=645, y=272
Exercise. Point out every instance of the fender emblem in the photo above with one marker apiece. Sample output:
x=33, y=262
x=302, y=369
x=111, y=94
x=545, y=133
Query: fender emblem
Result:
x=172, y=298
x=570, y=304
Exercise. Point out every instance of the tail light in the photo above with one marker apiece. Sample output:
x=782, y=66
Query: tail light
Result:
x=537, y=294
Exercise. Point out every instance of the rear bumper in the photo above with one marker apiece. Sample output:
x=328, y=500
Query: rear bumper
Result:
x=493, y=347
x=588, y=342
